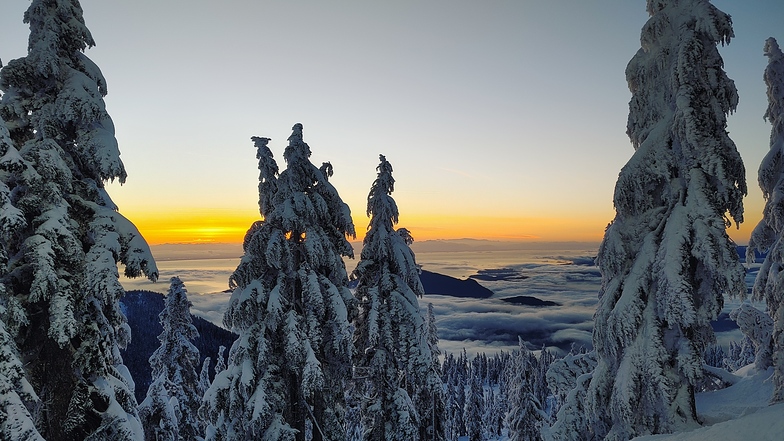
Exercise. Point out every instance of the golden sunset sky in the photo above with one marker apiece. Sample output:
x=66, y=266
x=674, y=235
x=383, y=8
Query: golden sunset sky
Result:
x=502, y=119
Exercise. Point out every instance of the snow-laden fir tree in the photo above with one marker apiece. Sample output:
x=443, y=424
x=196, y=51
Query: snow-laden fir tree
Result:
x=431, y=402
x=739, y=354
x=757, y=327
x=475, y=400
x=525, y=417
x=392, y=346
x=175, y=391
x=204, y=376
x=768, y=234
x=562, y=374
x=568, y=379
x=714, y=356
x=574, y=417
x=16, y=394
x=291, y=308
x=458, y=389
x=63, y=236
x=451, y=430
x=160, y=412
x=220, y=362
x=492, y=420
x=666, y=260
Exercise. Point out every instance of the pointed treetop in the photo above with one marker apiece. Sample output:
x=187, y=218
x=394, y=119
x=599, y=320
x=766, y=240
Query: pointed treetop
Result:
x=297, y=148
x=176, y=284
x=385, y=174
x=380, y=203
x=268, y=174
x=296, y=133
x=772, y=49
x=57, y=30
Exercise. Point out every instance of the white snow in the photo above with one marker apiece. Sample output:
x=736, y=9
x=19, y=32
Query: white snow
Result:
x=739, y=412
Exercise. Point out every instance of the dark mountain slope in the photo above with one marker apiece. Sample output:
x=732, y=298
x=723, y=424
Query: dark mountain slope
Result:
x=142, y=309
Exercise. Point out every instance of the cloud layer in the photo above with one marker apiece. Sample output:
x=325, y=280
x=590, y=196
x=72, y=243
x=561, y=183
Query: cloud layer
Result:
x=566, y=277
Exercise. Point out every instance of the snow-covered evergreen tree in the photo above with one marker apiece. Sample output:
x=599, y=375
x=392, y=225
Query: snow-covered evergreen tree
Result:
x=391, y=339
x=563, y=373
x=160, y=411
x=291, y=308
x=739, y=354
x=474, y=408
x=540, y=387
x=268, y=174
x=525, y=417
x=574, y=417
x=450, y=397
x=768, y=234
x=666, y=259
x=568, y=379
x=16, y=394
x=714, y=356
x=220, y=361
x=432, y=401
x=176, y=388
x=63, y=236
x=204, y=376
x=458, y=384
x=758, y=327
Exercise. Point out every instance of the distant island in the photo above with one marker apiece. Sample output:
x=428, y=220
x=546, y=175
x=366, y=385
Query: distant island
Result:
x=529, y=301
x=489, y=275
x=440, y=284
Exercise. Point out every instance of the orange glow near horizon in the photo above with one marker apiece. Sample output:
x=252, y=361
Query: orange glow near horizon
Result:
x=230, y=226
x=223, y=226
x=505, y=228
x=202, y=226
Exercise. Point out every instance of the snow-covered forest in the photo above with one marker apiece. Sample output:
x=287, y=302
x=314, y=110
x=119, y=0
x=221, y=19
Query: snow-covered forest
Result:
x=319, y=353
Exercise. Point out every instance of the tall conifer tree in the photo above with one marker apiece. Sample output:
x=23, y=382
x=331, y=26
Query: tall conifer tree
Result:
x=666, y=259
x=525, y=417
x=291, y=308
x=17, y=396
x=175, y=380
x=391, y=337
x=66, y=237
x=432, y=401
x=769, y=233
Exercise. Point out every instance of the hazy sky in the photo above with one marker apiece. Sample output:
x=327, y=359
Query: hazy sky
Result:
x=502, y=119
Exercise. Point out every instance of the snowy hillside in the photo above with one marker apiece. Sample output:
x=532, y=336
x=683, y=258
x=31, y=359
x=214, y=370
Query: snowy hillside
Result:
x=739, y=412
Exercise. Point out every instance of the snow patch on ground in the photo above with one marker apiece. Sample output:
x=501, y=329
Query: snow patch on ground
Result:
x=740, y=412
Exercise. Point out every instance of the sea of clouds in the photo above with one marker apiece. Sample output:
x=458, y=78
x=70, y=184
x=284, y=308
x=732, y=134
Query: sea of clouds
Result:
x=560, y=273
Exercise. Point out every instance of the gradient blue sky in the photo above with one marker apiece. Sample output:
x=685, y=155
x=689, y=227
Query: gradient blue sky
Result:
x=502, y=119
